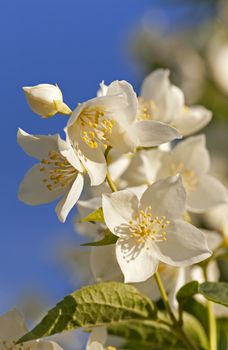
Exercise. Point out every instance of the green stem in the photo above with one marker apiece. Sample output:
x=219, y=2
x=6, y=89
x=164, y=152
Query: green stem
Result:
x=111, y=183
x=108, y=177
x=211, y=320
x=164, y=297
x=176, y=325
x=212, y=326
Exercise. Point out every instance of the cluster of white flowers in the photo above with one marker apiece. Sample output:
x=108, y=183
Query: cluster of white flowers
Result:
x=144, y=177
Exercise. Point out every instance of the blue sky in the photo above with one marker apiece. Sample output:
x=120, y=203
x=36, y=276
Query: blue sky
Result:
x=75, y=43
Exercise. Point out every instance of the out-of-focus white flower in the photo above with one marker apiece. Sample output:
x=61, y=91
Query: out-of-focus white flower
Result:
x=12, y=328
x=217, y=218
x=142, y=169
x=97, y=340
x=191, y=159
x=111, y=120
x=150, y=229
x=218, y=57
x=160, y=100
x=46, y=100
x=58, y=174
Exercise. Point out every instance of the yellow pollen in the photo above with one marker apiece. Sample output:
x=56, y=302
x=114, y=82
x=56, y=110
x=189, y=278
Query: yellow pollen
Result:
x=58, y=171
x=189, y=177
x=143, y=226
x=96, y=126
x=147, y=109
x=110, y=348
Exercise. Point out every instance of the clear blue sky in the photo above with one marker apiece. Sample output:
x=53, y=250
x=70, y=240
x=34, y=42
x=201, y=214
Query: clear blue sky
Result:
x=75, y=43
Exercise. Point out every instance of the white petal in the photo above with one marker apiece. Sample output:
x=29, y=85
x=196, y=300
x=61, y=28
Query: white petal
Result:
x=166, y=197
x=34, y=191
x=113, y=105
x=98, y=336
x=94, y=162
x=180, y=281
x=137, y=262
x=169, y=99
x=12, y=326
x=209, y=193
x=70, y=154
x=102, y=91
x=117, y=163
x=38, y=146
x=44, y=92
x=150, y=133
x=121, y=139
x=155, y=86
x=68, y=201
x=126, y=89
x=214, y=239
x=119, y=207
x=192, y=119
x=185, y=245
x=104, y=265
x=193, y=153
x=142, y=168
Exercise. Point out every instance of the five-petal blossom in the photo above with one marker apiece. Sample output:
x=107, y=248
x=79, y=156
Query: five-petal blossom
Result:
x=59, y=172
x=151, y=229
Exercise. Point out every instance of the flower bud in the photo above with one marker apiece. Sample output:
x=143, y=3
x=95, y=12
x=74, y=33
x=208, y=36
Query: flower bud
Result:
x=46, y=100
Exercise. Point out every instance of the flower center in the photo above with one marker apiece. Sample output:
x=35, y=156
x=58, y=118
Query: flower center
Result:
x=147, y=109
x=96, y=127
x=110, y=348
x=58, y=172
x=144, y=226
x=189, y=177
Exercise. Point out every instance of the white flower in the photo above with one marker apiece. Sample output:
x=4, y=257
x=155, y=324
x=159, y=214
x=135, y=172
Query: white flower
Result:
x=111, y=120
x=98, y=339
x=142, y=169
x=191, y=159
x=151, y=230
x=218, y=56
x=46, y=100
x=160, y=100
x=217, y=218
x=58, y=174
x=12, y=327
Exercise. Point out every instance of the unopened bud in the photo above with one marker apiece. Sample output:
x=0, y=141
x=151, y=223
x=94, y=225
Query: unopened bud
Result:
x=46, y=100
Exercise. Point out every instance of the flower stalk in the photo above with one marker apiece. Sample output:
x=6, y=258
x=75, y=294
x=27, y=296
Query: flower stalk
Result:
x=176, y=325
x=211, y=319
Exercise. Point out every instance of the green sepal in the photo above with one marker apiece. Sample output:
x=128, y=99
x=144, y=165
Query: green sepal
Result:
x=109, y=238
x=95, y=216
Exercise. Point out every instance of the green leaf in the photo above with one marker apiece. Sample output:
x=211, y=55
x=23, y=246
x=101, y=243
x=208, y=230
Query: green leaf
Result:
x=100, y=304
x=215, y=291
x=195, y=331
x=95, y=216
x=187, y=291
x=145, y=335
x=109, y=238
x=198, y=310
x=222, y=331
